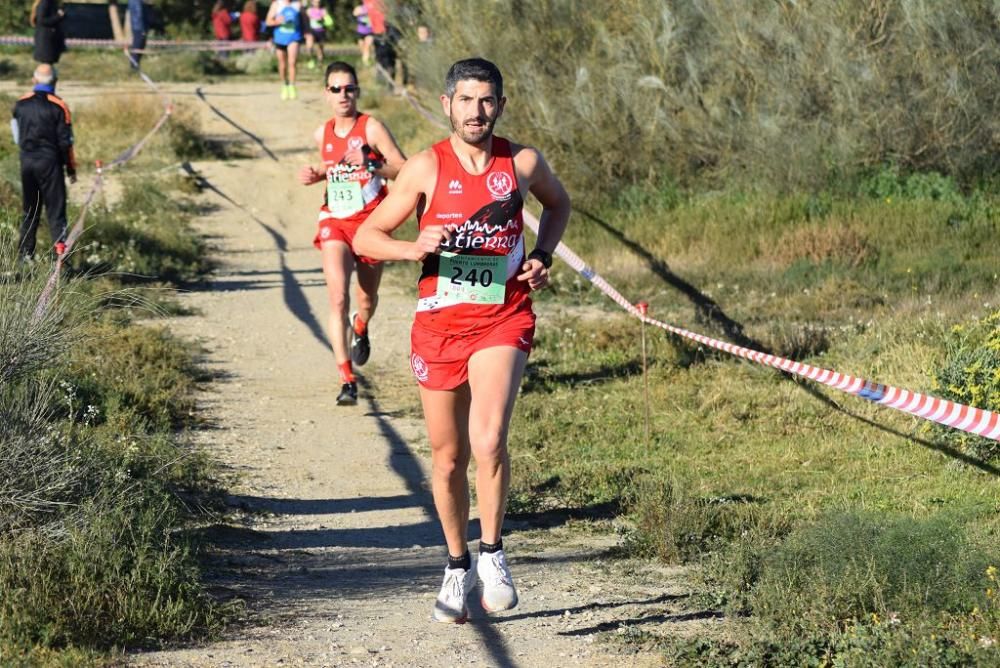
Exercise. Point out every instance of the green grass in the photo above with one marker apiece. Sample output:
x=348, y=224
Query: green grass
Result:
x=98, y=482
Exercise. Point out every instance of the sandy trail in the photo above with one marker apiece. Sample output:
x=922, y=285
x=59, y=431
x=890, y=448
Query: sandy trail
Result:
x=341, y=557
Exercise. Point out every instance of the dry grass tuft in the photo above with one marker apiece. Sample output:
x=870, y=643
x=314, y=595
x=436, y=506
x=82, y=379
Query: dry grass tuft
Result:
x=834, y=242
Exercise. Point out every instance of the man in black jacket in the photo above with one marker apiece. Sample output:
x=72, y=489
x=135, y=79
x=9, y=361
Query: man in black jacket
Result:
x=44, y=133
x=50, y=41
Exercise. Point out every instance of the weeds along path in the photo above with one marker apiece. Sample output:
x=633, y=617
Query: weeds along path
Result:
x=334, y=546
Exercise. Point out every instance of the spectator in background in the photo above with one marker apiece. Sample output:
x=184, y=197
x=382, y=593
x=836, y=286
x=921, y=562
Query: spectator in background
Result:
x=50, y=42
x=363, y=28
x=385, y=37
x=137, y=23
x=44, y=134
x=222, y=21
x=250, y=22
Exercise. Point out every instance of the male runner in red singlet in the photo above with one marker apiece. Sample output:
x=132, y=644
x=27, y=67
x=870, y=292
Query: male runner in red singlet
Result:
x=359, y=154
x=474, y=324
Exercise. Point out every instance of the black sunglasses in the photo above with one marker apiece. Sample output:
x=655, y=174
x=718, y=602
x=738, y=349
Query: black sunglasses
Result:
x=349, y=88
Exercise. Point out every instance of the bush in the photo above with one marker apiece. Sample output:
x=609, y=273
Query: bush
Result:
x=858, y=589
x=850, y=566
x=138, y=241
x=675, y=526
x=91, y=473
x=970, y=375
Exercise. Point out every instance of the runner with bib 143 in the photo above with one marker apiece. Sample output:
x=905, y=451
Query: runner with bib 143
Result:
x=474, y=324
x=359, y=154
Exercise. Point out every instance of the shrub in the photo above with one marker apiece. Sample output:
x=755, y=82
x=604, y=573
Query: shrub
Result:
x=676, y=526
x=854, y=565
x=970, y=375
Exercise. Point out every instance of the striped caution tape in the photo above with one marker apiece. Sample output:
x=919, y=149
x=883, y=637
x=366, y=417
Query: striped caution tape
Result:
x=159, y=45
x=48, y=292
x=952, y=414
x=151, y=45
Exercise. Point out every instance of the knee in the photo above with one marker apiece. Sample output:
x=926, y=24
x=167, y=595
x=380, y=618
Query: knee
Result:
x=338, y=303
x=449, y=464
x=489, y=447
x=366, y=301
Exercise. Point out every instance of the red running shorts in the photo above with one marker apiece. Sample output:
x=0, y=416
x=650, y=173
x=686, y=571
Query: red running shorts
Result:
x=441, y=361
x=337, y=229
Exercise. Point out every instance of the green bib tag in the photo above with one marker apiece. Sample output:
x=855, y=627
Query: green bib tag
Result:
x=471, y=279
x=344, y=199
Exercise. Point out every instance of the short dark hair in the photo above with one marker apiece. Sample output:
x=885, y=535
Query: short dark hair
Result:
x=339, y=66
x=478, y=69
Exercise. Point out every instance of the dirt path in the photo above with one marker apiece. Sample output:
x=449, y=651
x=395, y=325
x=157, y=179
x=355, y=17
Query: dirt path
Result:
x=341, y=558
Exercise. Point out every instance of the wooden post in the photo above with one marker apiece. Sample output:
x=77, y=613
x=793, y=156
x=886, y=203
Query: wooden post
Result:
x=116, y=25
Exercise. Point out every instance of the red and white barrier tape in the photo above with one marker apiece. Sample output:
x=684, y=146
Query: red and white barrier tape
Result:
x=952, y=414
x=45, y=298
x=159, y=45
x=151, y=45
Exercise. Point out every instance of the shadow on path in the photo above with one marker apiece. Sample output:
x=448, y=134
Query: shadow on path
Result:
x=559, y=612
x=295, y=298
x=408, y=469
x=218, y=112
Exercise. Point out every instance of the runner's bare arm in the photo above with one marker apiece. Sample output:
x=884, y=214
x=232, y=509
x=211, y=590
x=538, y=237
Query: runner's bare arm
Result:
x=374, y=238
x=381, y=139
x=533, y=171
x=272, y=16
x=309, y=175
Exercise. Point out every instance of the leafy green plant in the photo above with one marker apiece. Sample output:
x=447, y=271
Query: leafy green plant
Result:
x=970, y=374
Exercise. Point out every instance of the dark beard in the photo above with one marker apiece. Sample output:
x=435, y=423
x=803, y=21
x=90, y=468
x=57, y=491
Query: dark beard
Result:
x=463, y=134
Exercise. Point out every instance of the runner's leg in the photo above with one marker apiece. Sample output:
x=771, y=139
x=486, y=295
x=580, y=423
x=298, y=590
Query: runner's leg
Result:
x=446, y=415
x=282, y=65
x=369, y=278
x=338, y=262
x=293, y=55
x=494, y=377
x=310, y=40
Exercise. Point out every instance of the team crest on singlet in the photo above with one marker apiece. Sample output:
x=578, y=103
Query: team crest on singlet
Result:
x=354, y=142
x=500, y=184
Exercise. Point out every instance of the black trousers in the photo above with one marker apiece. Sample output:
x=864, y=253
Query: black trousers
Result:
x=385, y=54
x=42, y=183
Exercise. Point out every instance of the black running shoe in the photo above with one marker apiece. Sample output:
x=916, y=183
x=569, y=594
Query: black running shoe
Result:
x=361, y=347
x=348, y=395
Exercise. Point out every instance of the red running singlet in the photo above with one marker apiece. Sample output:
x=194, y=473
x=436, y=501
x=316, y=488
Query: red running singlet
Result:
x=352, y=191
x=485, y=212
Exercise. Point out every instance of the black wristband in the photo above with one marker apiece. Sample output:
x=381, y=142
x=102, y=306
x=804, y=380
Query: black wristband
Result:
x=542, y=256
x=373, y=159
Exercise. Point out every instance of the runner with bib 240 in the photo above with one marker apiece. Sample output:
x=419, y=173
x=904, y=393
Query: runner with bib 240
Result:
x=474, y=324
x=359, y=154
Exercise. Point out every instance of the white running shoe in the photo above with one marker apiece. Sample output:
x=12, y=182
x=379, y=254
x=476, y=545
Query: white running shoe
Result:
x=498, y=584
x=450, y=604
